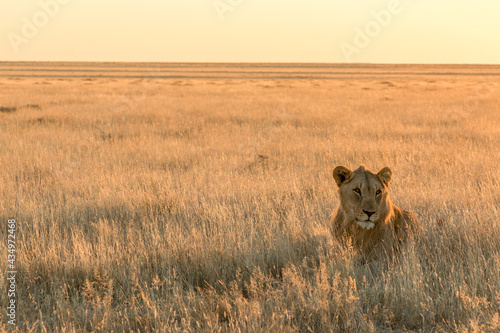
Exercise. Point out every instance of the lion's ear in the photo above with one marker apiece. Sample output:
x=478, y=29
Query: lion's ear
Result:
x=385, y=175
x=341, y=174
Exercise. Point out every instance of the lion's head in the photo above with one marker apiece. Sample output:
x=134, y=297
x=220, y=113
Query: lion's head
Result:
x=364, y=196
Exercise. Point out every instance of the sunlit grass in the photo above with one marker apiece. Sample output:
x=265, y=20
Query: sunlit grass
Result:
x=204, y=205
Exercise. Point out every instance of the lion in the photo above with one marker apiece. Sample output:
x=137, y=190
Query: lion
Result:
x=366, y=215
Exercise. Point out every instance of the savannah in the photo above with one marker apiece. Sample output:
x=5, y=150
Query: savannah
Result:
x=198, y=197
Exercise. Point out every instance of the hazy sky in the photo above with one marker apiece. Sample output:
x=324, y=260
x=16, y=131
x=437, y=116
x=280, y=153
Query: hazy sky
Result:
x=405, y=31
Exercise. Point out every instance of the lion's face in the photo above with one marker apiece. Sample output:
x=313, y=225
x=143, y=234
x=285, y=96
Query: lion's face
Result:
x=364, y=196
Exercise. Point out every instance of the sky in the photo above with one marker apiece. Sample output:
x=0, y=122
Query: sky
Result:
x=327, y=31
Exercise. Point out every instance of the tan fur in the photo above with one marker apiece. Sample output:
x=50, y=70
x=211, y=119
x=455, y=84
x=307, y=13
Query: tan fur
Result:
x=366, y=214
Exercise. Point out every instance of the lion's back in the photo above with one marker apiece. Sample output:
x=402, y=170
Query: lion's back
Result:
x=406, y=224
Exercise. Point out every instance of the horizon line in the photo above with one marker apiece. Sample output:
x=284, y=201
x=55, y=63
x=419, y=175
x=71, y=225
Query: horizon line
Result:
x=255, y=62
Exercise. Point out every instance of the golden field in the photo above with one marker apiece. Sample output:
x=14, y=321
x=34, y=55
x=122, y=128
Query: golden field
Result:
x=197, y=197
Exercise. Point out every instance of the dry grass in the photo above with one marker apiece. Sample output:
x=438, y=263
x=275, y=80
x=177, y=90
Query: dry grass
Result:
x=203, y=205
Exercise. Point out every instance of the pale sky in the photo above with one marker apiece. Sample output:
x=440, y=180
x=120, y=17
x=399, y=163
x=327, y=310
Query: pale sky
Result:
x=333, y=31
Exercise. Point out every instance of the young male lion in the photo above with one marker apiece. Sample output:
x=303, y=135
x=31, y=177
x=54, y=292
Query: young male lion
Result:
x=366, y=214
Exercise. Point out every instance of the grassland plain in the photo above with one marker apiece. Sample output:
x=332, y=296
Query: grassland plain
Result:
x=202, y=204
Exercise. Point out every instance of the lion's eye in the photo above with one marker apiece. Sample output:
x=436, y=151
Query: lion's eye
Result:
x=357, y=191
x=378, y=192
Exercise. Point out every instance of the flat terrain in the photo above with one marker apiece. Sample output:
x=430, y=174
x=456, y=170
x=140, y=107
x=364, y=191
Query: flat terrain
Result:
x=196, y=197
x=292, y=71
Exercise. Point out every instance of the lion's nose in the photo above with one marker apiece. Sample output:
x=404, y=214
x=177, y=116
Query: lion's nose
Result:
x=368, y=213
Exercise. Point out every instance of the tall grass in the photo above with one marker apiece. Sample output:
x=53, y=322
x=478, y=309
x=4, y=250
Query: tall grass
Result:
x=203, y=205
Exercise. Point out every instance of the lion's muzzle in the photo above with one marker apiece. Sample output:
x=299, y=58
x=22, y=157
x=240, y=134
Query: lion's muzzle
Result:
x=367, y=225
